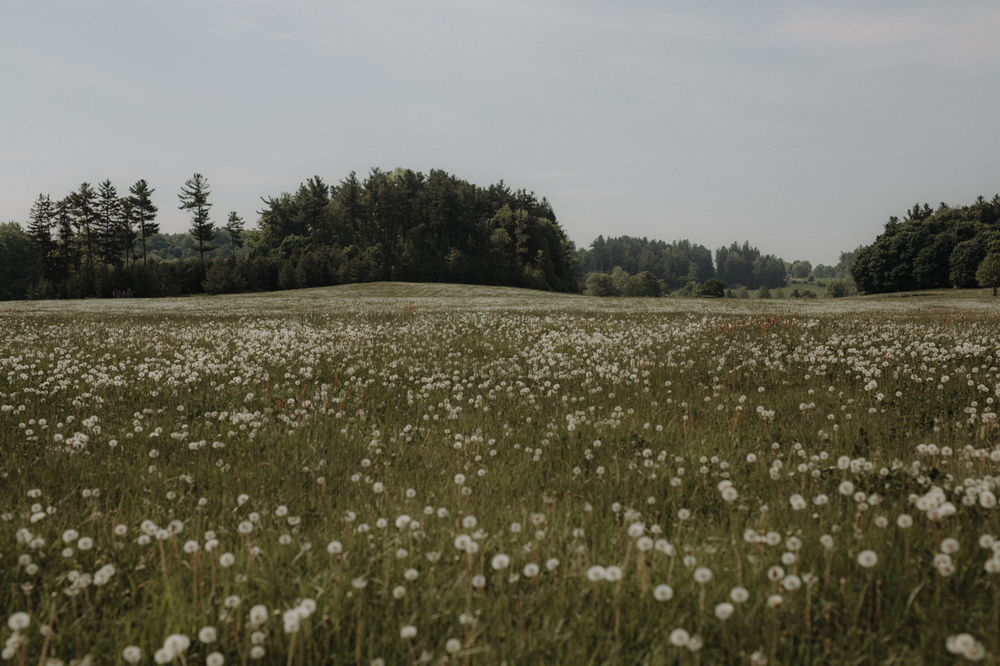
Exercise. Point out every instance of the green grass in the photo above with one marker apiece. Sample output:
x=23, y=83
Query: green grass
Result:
x=570, y=428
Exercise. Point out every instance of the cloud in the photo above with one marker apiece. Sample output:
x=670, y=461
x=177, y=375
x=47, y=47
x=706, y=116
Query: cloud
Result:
x=958, y=38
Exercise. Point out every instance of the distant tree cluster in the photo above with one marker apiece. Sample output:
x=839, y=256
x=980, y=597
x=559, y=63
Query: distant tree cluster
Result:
x=746, y=266
x=627, y=266
x=403, y=225
x=95, y=242
x=933, y=248
x=675, y=263
x=398, y=225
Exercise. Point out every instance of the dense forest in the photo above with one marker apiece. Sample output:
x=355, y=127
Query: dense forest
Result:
x=933, y=248
x=627, y=266
x=398, y=225
x=404, y=225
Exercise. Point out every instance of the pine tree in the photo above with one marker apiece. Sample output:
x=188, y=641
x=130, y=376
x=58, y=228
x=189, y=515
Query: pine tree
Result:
x=144, y=212
x=40, y=224
x=194, y=197
x=66, y=250
x=234, y=228
x=109, y=227
x=85, y=219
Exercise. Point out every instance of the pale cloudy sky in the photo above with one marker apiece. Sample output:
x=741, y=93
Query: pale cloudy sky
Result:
x=799, y=126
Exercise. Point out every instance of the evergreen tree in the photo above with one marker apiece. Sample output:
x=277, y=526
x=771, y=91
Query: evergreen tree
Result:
x=234, y=229
x=144, y=212
x=84, y=202
x=40, y=224
x=194, y=198
x=66, y=254
x=109, y=224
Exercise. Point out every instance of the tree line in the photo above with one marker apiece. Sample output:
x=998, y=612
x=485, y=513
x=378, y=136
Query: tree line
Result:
x=398, y=225
x=628, y=266
x=928, y=248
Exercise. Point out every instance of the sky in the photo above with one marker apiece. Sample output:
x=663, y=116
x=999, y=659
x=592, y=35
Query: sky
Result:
x=797, y=126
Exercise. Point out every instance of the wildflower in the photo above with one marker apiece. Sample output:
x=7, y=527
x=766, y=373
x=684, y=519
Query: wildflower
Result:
x=613, y=574
x=227, y=560
x=407, y=632
x=500, y=561
x=215, y=659
x=595, y=573
x=702, y=575
x=949, y=546
x=132, y=654
x=679, y=638
x=453, y=645
x=867, y=558
x=663, y=592
x=530, y=570
x=207, y=635
x=724, y=610
x=739, y=594
x=19, y=621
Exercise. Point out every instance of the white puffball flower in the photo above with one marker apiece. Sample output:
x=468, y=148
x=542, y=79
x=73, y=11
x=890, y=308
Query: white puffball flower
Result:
x=663, y=592
x=595, y=573
x=613, y=574
x=949, y=546
x=867, y=558
x=739, y=594
x=453, y=645
x=258, y=615
x=724, y=610
x=19, y=621
x=500, y=561
x=679, y=637
x=132, y=654
x=407, y=632
x=702, y=575
x=208, y=635
x=215, y=659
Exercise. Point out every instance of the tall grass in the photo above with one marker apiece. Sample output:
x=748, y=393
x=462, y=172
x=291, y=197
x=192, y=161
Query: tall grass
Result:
x=331, y=475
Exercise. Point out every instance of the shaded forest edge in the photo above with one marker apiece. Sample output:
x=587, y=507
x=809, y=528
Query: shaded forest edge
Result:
x=402, y=225
x=944, y=247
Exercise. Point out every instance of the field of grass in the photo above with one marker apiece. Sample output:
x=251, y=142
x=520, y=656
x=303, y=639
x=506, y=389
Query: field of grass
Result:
x=396, y=474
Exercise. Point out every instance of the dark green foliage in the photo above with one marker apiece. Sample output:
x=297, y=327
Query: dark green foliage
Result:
x=675, y=263
x=402, y=225
x=746, y=266
x=601, y=284
x=194, y=198
x=929, y=248
x=964, y=261
x=713, y=288
x=988, y=274
x=143, y=212
x=234, y=229
x=800, y=269
x=836, y=289
x=18, y=261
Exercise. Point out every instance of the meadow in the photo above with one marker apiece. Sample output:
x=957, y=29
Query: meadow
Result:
x=397, y=474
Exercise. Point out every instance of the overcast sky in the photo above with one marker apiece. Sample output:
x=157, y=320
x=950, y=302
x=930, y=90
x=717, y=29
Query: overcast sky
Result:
x=799, y=126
